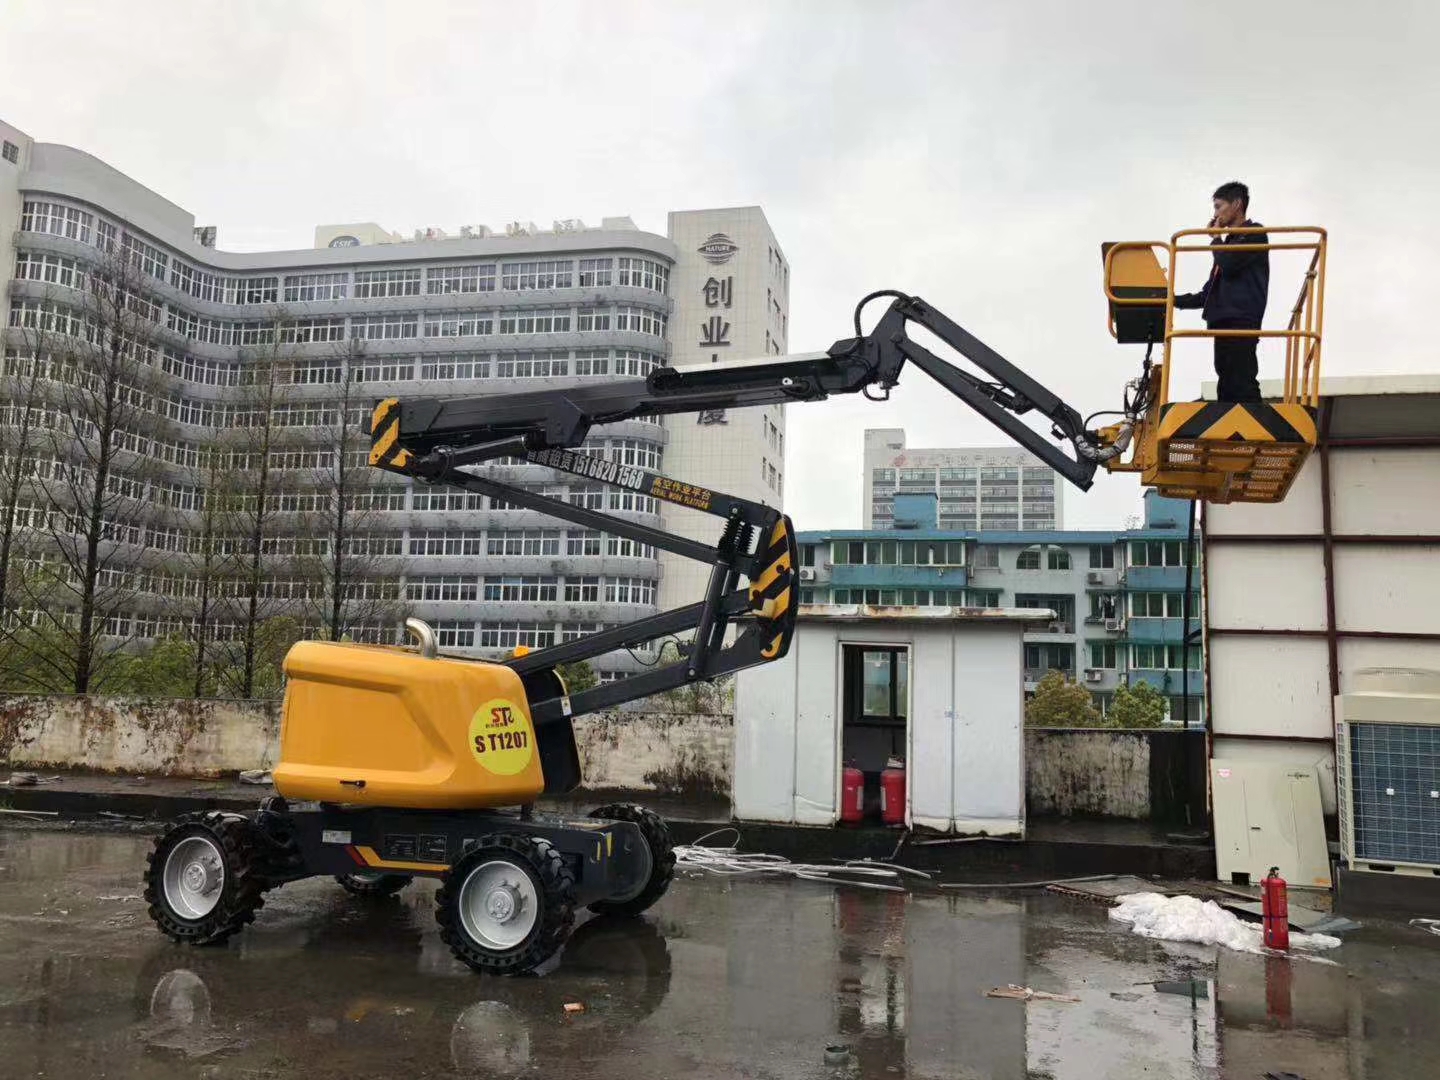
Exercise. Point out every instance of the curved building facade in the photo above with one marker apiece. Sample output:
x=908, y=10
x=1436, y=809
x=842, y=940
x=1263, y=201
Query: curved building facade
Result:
x=438, y=315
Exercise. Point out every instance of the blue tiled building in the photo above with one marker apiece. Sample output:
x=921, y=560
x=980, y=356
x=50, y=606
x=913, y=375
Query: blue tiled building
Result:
x=1118, y=596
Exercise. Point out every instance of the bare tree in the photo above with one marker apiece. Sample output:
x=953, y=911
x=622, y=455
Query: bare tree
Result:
x=105, y=378
x=22, y=436
x=354, y=569
x=257, y=447
x=210, y=561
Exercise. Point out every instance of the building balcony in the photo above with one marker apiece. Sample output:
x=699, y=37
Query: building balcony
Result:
x=1159, y=578
x=1168, y=682
x=1051, y=631
x=870, y=576
x=1158, y=631
x=1100, y=680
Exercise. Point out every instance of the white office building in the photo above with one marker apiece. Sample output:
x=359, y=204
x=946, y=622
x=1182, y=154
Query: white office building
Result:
x=997, y=490
x=459, y=311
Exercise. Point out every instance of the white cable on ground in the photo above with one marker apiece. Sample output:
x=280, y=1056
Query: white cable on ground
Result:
x=727, y=861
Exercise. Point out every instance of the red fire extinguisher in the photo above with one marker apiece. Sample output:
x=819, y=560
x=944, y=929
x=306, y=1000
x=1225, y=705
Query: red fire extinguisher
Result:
x=852, y=795
x=1275, y=910
x=892, y=793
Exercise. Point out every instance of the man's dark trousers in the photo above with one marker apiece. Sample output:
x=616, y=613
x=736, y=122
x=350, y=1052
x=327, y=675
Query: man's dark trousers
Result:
x=1236, y=366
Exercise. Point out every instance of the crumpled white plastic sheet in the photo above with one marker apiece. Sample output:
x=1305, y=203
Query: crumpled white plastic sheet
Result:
x=1186, y=918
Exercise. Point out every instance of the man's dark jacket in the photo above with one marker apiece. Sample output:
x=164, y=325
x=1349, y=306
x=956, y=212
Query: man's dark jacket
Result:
x=1239, y=284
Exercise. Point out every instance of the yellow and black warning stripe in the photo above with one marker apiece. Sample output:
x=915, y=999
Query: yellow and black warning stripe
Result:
x=772, y=594
x=385, y=449
x=1227, y=421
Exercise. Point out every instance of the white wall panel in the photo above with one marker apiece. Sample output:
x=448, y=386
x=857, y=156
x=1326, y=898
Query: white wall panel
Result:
x=1299, y=513
x=1357, y=654
x=931, y=728
x=817, y=726
x=1388, y=588
x=1385, y=492
x=1270, y=686
x=989, y=765
x=1266, y=586
x=764, y=780
x=1317, y=756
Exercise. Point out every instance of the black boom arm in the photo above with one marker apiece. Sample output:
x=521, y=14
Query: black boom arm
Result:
x=434, y=439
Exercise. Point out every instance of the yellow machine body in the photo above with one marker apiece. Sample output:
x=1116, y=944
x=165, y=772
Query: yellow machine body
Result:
x=380, y=726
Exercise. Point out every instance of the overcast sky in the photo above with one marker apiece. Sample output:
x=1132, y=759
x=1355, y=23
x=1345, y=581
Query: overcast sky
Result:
x=973, y=153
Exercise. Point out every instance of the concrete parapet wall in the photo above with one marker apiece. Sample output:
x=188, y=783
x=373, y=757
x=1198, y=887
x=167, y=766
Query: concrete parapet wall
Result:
x=667, y=752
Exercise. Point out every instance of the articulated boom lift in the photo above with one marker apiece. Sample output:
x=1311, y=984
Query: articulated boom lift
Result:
x=399, y=762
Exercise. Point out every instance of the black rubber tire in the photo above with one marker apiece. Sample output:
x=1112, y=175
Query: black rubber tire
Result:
x=241, y=896
x=662, y=858
x=373, y=887
x=554, y=885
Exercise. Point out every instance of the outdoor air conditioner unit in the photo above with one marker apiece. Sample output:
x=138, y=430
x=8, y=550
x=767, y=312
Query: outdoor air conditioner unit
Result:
x=1387, y=753
x=1114, y=624
x=807, y=573
x=1055, y=628
x=1094, y=674
x=1095, y=577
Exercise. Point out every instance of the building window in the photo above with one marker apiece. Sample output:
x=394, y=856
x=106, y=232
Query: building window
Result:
x=11, y=152
x=1155, y=605
x=1029, y=559
x=640, y=321
x=385, y=327
x=513, y=635
x=807, y=554
x=982, y=598
x=476, y=278
x=455, y=635
x=1103, y=654
x=306, y=288
x=923, y=479
x=596, y=272
x=629, y=591
x=987, y=557
x=592, y=362
x=57, y=220
x=532, y=365
x=1163, y=658
x=876, y=686
x=592, y=320
x=536, y=321
x=1157, y=553
x=460, y=324
x=390, y=370
x=1059, y=559
x=542, y=274
x=1102, y=557
x=377, y=284
x=520, y=590
x=465, y=366
x=257, y=290
x=584, y=590
x=440, y=589
x=643, y=274
x=523, y=542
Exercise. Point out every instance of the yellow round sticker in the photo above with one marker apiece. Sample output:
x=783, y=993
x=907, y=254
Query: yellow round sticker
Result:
x=501, y=738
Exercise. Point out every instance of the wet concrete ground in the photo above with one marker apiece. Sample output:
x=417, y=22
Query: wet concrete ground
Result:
x=724, y=978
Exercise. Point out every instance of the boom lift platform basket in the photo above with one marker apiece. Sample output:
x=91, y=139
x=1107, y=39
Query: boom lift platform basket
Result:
x=1216, y=451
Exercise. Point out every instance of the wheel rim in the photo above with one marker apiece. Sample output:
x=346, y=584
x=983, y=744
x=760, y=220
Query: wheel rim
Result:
x=647, y=866
x=194, y=877
x=499, y=905
x=368, y=877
